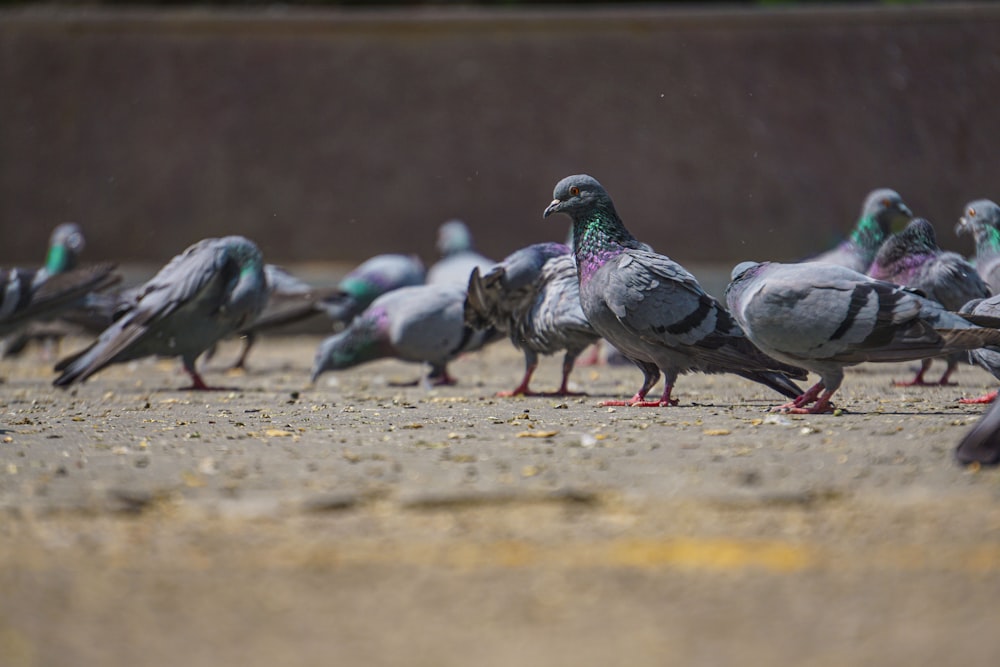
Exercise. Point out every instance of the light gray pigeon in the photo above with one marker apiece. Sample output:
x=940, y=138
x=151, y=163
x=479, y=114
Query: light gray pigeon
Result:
x=981, y=443
x=211, y=290
x=986, y=357
x=534, y=297
x=912, y=258
x=423, y=323
x=454, y=242
x=649, y=307
x=981, y=219
x=824, y=317
x=369, y=280
x=24, y=296
x=882, y=209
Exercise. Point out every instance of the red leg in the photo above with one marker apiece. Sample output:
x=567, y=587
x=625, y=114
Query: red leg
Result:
x=821, y=405
x=521, y=389
x=918, y=379
x=980, y=400
x=807, y=397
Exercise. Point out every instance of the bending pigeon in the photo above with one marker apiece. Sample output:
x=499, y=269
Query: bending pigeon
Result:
x=981, y=443
x=210, y=291
x=458, y=259
x=982, y=221
x=649, y=307
x=881, y=210
x=289, y=300
x=534, y=297
x=912, y=258
x=25, y=295
x=371, y=279
x=987, y=357
x=825, y=317
x=423, y=323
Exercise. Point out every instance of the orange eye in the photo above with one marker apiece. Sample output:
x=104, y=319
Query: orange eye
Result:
x=972, y=213
x=574, y=191
x=886, y=203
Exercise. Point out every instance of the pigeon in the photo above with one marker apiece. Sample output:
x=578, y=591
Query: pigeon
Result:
x=454, y=242
x=422, y=323
x=26, y=296
x=534, y=297
x=986, y=357
x=824, y=317
x=882, y=209
x=650, y=307
x=981, y=443
x=289, y=300
x=912, y=258
x=371, y=279
x=982, y=220
x=66, y=243
x=211, y=290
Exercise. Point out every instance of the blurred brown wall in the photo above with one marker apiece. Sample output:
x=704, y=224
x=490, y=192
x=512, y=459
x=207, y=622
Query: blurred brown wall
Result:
x=333, y=136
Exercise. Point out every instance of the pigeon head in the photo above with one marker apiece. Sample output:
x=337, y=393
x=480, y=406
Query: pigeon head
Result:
x=886, y=209
x=905, y=250
x=742, y=268
x=453, y=237
x=577, y=195
x=357, y=344
x=65, y=246
x=978, y=215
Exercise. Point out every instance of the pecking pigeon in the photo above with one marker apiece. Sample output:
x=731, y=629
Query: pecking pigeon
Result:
x=649, y=307
x=454, y=242
x=982, y=220
x=882, y=209
x=369, y=280
x=824, y=317
x=423, y=323
x=211, y=290
x=534, y=297
x=912, y=258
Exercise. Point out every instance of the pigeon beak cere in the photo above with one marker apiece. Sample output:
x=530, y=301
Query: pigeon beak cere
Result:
x=963, y=226
x=551, y=208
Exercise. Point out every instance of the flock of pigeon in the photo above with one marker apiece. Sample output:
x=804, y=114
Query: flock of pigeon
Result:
x=878, y=297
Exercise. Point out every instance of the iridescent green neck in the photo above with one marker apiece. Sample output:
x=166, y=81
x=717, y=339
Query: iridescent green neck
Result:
x=600, y=229
x=58, y=260
x=987, y=242
x=868, y=233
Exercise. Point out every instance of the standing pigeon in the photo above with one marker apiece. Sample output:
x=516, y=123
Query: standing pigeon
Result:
x=650, y=307
x=982, y=221
x=882, y=209
x=26, y=296
x=454, y=242
x=534, y=297
x=371, y=279
x=981, y=443
x=912, y=258
x=211, y=290
x=423, y=323
x=824, y=317
x=987, y=357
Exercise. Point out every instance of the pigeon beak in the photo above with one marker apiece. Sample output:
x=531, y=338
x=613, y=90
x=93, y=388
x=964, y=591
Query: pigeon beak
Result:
x=963, y=226
x=551, y=208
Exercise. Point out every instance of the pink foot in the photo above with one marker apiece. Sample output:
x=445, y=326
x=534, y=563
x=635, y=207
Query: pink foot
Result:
x=980, y=400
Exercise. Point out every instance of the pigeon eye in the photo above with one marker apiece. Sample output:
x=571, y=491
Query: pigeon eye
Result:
x=574, y=191
x=886, y=203
x=971, y=213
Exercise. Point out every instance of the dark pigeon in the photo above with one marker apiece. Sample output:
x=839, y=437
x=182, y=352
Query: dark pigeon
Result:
x=370, y=280
x=533, y=296
x=912, y=258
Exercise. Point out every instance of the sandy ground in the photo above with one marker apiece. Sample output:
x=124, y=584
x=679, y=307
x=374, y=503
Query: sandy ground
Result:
x=358, y=522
